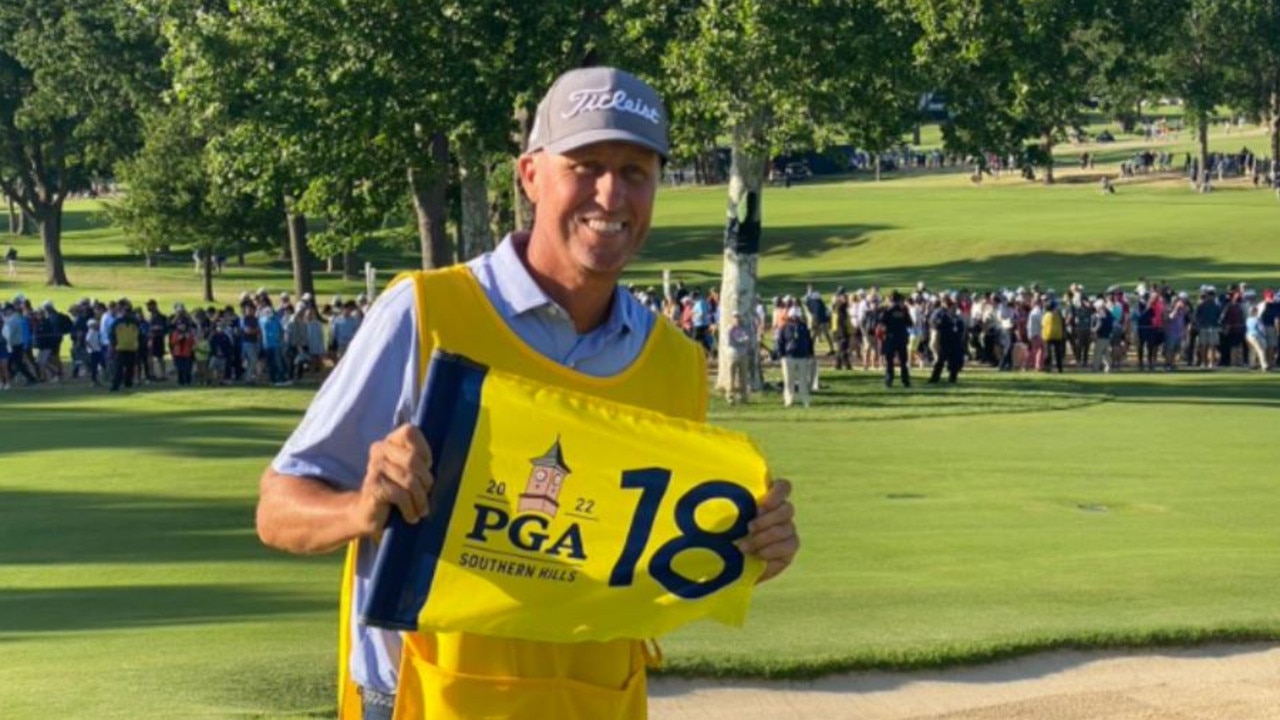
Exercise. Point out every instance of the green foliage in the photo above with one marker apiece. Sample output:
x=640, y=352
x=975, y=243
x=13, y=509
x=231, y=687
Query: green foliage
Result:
x=172, y=199
x=167, y=201
x=867, y=89
x=1198, y=61
x=741, y=64
x=72, y=75
x=1011, y=70
x=353, y=209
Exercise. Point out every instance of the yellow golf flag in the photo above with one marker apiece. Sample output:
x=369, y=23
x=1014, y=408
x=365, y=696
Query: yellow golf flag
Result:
x=558, y=516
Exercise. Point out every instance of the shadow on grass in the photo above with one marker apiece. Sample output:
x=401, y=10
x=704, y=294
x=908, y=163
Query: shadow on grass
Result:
x=49, y=528
x=1096, y=270
x=195, y=432
x=704, y=242
x=1229, y=387
x=862, y=397
x=101, y=608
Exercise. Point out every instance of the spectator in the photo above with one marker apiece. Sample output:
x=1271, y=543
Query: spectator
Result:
x=273, y=345
x=94, y=346
x=819, y=318
x=250, y=342
x=841, y=315
x=125, y=340
x=895, y=324
x=220, y=351
x=948, y=327
x=1232, y=319
x=740, y=347
x=1102, y=327
x=1053, y=327
x=157, y=334
x=1257, y=338
x=345, y=326
x=14, y=332
x=182, y=345
x=1035, y=335
x=796, y=352
x=4, y=355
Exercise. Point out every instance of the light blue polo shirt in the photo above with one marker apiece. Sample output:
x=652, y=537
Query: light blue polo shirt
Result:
x=375, y=389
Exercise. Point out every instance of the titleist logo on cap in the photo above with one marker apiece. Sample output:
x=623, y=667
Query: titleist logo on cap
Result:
x=605, y=98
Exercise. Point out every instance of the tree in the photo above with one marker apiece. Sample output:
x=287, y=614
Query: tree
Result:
x=1253, y=80
x=173, y=200
x=748, y=66
x=73, y=74
x=868, y=89
x=1012, y=70
x=354, y=208
x=1198, y=63
x=245, y=73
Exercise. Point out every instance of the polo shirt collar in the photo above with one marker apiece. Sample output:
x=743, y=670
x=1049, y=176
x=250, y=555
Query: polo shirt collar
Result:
x=522, y=294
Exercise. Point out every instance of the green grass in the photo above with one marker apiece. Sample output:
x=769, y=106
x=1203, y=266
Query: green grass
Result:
x=100, y=266
x=950, y=234
x=1010, y=514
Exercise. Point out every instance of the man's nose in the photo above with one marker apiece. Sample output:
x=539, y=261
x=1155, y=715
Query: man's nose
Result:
x=610, y=189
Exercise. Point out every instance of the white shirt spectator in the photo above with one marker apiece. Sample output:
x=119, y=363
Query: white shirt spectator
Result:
x=1035, y=326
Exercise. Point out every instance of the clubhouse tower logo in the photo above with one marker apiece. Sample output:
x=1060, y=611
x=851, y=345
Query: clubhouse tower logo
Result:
x=546, y=480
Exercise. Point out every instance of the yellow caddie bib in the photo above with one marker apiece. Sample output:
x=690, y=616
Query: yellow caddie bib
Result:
x=445, y=675
x=597, y=521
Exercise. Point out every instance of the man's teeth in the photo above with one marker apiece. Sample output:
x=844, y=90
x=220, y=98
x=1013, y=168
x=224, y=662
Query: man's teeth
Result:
x=604, y=226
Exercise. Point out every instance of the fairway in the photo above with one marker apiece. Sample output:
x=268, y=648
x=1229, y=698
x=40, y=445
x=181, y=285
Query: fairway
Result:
x=1008, y=514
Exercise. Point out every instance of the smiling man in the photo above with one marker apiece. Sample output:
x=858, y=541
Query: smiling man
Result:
x=546, y=305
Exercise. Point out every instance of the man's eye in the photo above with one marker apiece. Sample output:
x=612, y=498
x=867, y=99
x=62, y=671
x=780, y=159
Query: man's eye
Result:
x=635, y=173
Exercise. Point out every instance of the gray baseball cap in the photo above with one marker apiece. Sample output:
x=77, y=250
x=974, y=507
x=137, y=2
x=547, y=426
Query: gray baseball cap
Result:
x=599, y=104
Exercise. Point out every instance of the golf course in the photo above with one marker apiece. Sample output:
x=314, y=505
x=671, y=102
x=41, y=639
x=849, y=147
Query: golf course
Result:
x=1009, y=514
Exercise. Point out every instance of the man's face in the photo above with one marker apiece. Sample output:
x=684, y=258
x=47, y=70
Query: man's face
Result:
x=593, y=204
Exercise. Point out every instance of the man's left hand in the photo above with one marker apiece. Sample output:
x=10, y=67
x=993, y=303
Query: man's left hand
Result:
x=772, y=535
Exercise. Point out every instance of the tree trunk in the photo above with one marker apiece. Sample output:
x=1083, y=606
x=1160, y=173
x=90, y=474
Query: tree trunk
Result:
x=348, y=265
x=738, y=286
x=1202, y=132
x=14, y=219
x=207, y=255
x=915, y=135
x=520, y=205
x=476, y=236
x=1046, y=146
x=876, y=160
x=302, y=281
x=1275, y=124
x=429, y=185
x=55, y=272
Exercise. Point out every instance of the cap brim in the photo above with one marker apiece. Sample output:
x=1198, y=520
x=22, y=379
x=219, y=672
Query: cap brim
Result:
x=591, y=137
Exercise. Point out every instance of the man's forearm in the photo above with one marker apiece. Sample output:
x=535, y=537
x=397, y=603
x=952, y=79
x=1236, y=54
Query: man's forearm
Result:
x=304, y=515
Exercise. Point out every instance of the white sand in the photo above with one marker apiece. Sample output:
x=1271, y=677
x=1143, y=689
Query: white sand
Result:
x=1217, y=682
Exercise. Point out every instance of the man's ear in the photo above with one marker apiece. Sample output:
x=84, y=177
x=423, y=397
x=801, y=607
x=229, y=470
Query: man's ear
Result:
x=527, y=169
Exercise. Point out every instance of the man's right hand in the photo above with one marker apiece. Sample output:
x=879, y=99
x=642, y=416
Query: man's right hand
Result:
x=398, y=474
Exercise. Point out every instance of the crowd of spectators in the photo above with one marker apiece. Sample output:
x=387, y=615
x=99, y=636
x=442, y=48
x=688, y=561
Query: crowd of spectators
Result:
x=119, y=345
x=1151, y=327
